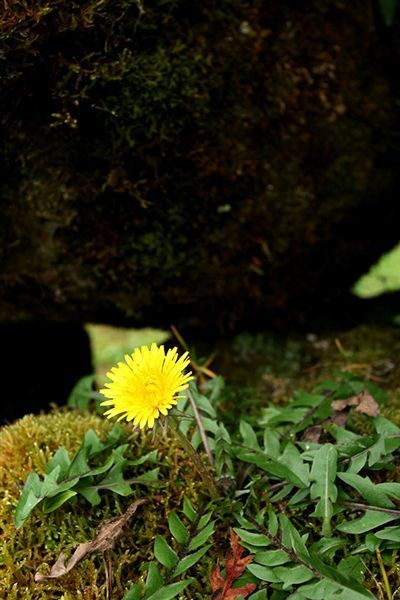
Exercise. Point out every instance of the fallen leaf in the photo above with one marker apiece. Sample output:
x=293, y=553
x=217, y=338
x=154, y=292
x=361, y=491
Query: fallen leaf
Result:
x=105, y=540
x=234, y=567
x=363, y=402
x=312, y=434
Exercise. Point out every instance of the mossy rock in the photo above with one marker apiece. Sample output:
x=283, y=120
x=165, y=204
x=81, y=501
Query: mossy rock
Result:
x=28, y=445
x=150, y=148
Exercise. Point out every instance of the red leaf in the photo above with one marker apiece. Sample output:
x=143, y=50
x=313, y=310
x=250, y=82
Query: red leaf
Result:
x=234, y=566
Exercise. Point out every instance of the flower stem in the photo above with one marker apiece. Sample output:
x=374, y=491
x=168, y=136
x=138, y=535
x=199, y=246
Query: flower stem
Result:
x=197, y=462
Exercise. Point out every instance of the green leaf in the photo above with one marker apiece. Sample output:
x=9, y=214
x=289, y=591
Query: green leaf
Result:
x=154, y=580
x=204, y=520
x=248, y=434
x=389, y=533
x=164, y=553
x=59, y=459
x=51, y=504
x=188, y=510
x=263, y=573
x=260, y=595
x=177, y=528
x=352, y=566
x=273, y=524
x=82, y=393
x=367, y=489
x=325, y=590
x=30, y=497
x=291, y=457
x=202, y=536
x=351, y=586
x=190, y=560
x=271, y=558
x=293, y=575
x=291, y=538
x=388, y=9
x=149, y=457
x=203, y=403
x=370, y=520
x=272, y=443
x=323, y=474
x=170, y=591
x=254, y=539
x=135, y=593
x=270, y=465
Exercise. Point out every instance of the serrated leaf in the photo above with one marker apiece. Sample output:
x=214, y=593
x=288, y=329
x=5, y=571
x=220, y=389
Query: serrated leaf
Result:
x=149, y=457
x=202, y=536
x=293, y=575
x=170, y=591
x=164, y=553
x=30, y=497
x=323, y=474
x=81, y=393
x=59, y=459
x=370, y=520
x=291, y=457
x=367, y=489
x=188, y=561
x=177, y=528
x=51, y=504
x=248, y=434
x=203, y=403
x=291, y=538
x=270, y=465
x=272, y=445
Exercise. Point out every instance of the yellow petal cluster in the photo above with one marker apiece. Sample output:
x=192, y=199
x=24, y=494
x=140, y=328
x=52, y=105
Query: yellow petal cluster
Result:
x=147, y=385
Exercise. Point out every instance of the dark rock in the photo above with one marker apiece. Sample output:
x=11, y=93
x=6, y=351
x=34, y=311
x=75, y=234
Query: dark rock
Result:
x=199, y=163
x=41, y=362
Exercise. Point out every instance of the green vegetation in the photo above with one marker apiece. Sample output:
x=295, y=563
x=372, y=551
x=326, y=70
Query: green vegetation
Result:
x=383, y=277
x=308, y=483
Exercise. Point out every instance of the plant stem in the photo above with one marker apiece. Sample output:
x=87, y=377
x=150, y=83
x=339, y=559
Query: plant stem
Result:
x=386, y=584
x=197, y=462
x=201, y=429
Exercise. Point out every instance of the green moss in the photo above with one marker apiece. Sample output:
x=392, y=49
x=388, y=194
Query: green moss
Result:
x=27, y=445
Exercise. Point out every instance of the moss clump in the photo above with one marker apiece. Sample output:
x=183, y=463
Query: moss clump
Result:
x=27, y=445
x=156, y=146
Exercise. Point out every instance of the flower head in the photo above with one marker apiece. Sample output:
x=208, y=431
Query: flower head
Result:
x=147, y=385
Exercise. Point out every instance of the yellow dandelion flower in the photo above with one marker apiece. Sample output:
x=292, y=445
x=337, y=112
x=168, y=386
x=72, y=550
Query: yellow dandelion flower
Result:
x=147, y=385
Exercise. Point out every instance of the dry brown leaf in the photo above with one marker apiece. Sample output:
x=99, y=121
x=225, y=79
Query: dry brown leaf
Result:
x=312, y=434
x=235, y=565
x=105, y=540
x=368, y=405
x=363, y=402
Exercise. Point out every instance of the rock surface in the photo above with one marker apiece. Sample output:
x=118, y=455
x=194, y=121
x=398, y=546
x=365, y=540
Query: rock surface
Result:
x=203, y=165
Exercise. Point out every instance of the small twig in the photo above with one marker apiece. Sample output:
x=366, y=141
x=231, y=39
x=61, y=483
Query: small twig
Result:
x=388, y=511
x=201, y=428
x=384, y=575
x=109, y=574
